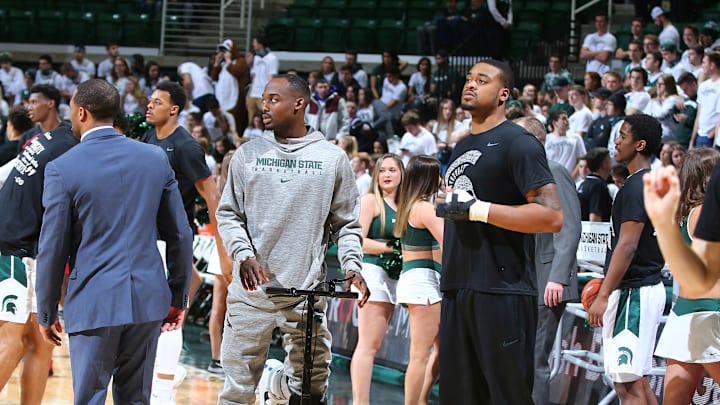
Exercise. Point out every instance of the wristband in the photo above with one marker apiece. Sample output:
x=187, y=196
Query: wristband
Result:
x=479, y=211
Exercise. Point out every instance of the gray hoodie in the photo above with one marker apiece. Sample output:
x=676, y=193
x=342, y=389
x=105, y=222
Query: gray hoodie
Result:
x=283, y=201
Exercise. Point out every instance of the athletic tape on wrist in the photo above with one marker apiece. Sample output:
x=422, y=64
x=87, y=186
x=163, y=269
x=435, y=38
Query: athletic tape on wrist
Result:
x=479, y=211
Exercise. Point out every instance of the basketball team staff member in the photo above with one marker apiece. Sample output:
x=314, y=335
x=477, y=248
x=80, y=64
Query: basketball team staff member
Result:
x=288, y=194
x=489, y=307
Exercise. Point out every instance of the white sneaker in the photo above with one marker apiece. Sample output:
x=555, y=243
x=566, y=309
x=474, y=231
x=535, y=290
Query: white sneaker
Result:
x=163, y=398
x=180, y=374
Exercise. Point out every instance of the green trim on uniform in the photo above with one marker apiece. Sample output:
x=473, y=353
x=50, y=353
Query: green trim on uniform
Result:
x=684, y=306
x=628, y=312
x=19, y=273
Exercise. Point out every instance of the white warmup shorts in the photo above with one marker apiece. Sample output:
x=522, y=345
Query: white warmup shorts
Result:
x=630, y=327
x=419, y=286
x=382, y=287
x=17, y=291
x=692, y=332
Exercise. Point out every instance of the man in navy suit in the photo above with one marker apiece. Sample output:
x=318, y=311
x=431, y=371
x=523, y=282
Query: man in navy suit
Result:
x=106, y=202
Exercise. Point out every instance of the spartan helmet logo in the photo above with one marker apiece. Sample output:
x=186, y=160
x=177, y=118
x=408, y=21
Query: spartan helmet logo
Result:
x=455, y=176
x=625, y=357
x=8, y=304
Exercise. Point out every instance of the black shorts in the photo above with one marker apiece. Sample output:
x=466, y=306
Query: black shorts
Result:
x=487, y=348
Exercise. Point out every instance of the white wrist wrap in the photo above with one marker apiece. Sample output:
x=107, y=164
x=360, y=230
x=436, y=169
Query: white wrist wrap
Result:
x=479, y=211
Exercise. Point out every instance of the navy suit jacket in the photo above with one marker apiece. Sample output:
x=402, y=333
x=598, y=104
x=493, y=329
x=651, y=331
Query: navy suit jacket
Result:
x=105, y=202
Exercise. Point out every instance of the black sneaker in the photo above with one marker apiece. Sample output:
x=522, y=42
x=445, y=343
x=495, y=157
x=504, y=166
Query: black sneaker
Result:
x=215, y=367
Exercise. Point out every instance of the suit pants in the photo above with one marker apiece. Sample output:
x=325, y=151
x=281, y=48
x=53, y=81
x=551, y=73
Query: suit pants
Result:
x=548, y=321
x=125, y=352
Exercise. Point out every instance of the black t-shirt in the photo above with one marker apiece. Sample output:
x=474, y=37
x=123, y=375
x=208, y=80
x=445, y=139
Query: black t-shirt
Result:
x=647, y=262
x=187, y=160
x=499, y=166
x=594, y=198
x=708, y=226
x=21, y=195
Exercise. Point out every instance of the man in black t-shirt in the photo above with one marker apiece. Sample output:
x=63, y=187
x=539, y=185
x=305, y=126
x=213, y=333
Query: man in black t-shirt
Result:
x=188, y=161
x=631, y=300
x=595, y=200
x=489, y=307
x=22, y=211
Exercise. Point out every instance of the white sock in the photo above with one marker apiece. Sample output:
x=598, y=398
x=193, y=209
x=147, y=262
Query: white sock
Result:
x=168, y=352
x=162, y=387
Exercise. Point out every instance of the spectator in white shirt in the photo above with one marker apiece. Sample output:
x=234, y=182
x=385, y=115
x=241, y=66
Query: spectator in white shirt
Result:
x=561, y=146
x=598, y=47
x=12, y=79
x=637, y=99
x=360, y=164
x=669, y=33
x=69, y=80
x=417, y=140
x=581, y=119
x=219, y=122
x=197, y=84
x=671, y=60
x=691, y=38
x=81, y=63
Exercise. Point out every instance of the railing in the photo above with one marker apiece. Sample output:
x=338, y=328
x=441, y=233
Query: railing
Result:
x=193, y=29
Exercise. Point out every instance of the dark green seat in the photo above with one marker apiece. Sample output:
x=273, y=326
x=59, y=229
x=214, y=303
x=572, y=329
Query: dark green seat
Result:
x=302, y=8
x=533, y=27
x=80, y=27
x=331, y=9
x=391, y=10
x=421, y=10
x=99, y=7
x=362, y=35
x=279, y=32
x=334, y=35
x=3, y=24
x=137, y=30
x=51, y=26
x=390, y=34
x=108, y=28
x=305, y=37
x=21, y=26
x=361, y=10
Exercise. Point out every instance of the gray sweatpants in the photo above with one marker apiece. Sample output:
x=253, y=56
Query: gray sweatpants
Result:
x=246, y=341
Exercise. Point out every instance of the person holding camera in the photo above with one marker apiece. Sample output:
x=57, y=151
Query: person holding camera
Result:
x=231, y=74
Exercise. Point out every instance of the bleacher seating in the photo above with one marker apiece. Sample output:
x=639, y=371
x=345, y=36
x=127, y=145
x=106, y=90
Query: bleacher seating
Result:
x=77, y=22
x=372, y=25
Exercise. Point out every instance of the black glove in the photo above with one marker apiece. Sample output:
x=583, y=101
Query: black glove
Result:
x=454, y=208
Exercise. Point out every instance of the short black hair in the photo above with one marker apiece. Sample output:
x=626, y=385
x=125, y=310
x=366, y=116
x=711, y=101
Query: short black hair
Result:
x=20, y=119
x=505, y=70
x=110, y=44
x=686, y=78
x=49, y=91
x=177, y=93
x=714, y=58
x=648, y=129
x=261, y=38
x=99, y=98
x=46, y=57
x=642, y=72
x=555, y=115
x=620, y=170
x=596, y=157
x=298, y=85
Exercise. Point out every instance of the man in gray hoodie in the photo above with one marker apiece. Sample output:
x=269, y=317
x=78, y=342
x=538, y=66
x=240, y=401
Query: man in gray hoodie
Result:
x=289, y=192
